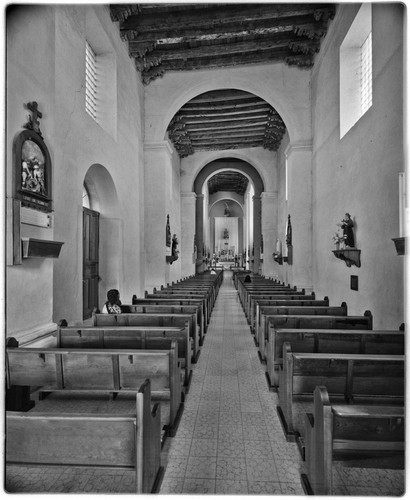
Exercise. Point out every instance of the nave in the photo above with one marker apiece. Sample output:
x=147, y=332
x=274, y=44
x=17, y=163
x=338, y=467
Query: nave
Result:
x=229, y=439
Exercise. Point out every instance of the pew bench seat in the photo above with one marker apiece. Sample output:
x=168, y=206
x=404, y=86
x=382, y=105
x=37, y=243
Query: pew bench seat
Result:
x=350, y=378
x=99, y=371
x=357, y=436
x=336, y=341
x=128, y=441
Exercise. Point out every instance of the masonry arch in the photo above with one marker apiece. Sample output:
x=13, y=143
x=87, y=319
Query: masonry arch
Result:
x=105, y=207
x=166, y=96
x=253, y=213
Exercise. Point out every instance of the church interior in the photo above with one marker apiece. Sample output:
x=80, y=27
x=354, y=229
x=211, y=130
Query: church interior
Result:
x=232, y=321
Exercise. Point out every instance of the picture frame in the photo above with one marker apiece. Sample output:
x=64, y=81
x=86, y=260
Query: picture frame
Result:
x=32, y=171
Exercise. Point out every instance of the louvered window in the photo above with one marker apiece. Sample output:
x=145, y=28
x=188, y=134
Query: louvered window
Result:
x=90, y=81
x=366, y=76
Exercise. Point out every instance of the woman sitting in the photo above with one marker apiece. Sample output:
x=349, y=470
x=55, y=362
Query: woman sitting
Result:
x=113, y=304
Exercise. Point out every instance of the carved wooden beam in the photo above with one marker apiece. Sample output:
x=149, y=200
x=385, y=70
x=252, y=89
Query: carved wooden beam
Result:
x=120, y=12
x=219, y=15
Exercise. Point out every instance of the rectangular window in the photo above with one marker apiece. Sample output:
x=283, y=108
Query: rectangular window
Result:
x=356, y=70
x=90, y=81
x=366, y=76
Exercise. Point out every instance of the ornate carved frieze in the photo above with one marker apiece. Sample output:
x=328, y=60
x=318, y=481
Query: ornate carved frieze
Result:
x=120, y=12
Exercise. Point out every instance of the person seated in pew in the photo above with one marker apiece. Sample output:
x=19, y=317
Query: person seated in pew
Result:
x=113, y=304
x=247, y=279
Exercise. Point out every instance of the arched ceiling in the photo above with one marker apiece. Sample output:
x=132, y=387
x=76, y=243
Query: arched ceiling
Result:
x=225, y=119
x=176, y=36
x=228, y=181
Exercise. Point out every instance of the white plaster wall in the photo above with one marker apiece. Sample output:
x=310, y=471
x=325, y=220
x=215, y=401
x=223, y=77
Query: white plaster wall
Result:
x=52, y=73
x=359, y=174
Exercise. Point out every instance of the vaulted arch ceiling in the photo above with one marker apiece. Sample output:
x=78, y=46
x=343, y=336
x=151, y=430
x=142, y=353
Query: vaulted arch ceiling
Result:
x=225, y=119
x=228, y=181
x=173, y=37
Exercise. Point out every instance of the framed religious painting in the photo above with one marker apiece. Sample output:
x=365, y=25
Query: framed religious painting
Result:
x=32, y=171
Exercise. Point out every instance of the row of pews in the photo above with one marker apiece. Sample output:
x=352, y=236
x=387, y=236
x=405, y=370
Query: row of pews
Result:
x=129, y=374
x=340, y=384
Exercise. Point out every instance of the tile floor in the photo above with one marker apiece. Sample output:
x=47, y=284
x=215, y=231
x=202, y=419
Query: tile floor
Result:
x=229, y=440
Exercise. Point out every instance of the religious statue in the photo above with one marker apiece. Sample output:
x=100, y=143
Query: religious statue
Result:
x=227, y=212
x=289, y=233
x=175, y=250
x=347, y=226
x=167, y=233
x=226, y=234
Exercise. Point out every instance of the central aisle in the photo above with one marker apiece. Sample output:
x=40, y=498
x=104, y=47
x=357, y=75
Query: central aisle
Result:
x=230, y=439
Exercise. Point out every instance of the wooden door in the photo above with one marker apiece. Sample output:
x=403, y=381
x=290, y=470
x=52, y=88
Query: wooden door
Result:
x=90, y=261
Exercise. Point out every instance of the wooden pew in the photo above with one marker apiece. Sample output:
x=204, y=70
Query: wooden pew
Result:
x=117, y=337
x=199, y=303
x=176, y=297
x=350, y=377
x=256, y=303
x=358, y=436
x=267, y=313
x=99, y=371
x=145, y=319
x=337, y=341
x=275, y=299
x=257, y=293
x=128, y=442
x=147, y=308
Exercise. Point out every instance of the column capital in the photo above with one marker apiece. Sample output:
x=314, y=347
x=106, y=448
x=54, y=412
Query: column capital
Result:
x=268, y=195
x=158, y=146
x=200, y=196
x=298, y=147
x=189, y=195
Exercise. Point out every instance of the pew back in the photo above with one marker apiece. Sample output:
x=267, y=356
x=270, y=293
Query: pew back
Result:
x=306, y=340
x=360, y=436
x=130, y=442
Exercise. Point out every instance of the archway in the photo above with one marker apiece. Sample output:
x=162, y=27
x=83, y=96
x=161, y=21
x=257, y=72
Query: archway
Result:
x=252, y=242
x=101, y=230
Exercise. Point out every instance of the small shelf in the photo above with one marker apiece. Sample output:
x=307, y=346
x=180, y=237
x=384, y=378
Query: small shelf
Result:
x=351, y=256
x=171, y=258
x=33, y=247
x=400, y=244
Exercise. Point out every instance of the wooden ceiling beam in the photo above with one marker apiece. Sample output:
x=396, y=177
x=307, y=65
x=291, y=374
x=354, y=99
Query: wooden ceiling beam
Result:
x=227, y=125
x=226, y=49
x=205, y=115
x=234, y=29
x=222, y=61
x=217, y=15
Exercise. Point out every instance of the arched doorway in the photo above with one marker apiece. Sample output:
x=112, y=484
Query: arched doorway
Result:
x=102, y=230
x=91, y=240
x=251, y=201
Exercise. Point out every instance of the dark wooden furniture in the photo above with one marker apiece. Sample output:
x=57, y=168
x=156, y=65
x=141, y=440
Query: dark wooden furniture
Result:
x=151, y=319
x=336, y=341
x=117, y=337
x=99, y=371
x=349, y=377
x=103, y=441
x=267, y=313
x=358, y=436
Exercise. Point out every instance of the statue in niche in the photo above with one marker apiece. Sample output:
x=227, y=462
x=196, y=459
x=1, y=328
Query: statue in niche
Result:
x=167, y=233
x=174, y=251
x=347, y=226
x=289, y=233
x=227, y=212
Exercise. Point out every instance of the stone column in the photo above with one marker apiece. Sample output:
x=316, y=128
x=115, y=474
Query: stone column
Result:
x=257, y=229
x=188, y=204
x=199, y=232
x=299, y=159
x=269, y=231
x=158, y=195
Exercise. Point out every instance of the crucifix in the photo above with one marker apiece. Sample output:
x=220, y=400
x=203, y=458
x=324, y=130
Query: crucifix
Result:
x=33, y=122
